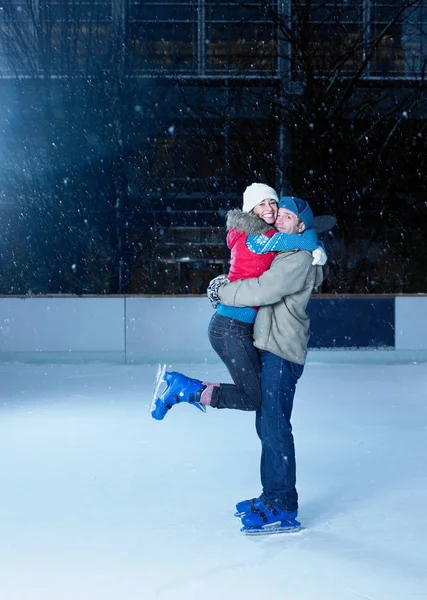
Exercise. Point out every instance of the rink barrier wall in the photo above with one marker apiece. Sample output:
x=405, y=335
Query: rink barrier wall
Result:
x=174, y=328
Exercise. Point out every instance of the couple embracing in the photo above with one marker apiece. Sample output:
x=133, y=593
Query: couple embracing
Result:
x=260, y=330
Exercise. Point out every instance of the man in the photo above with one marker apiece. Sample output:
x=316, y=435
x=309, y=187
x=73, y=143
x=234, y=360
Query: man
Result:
x=281, y=334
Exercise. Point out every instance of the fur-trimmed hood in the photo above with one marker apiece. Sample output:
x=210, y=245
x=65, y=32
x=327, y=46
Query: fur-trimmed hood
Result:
x=243, y=262
x=246, y=222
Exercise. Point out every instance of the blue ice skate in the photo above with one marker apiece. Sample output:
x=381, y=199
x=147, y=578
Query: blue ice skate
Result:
x=270, y=520
x=179, y=388
x=247, y=506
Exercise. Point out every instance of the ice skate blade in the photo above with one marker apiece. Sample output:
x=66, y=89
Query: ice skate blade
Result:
x=274, y=528
x=161, y=369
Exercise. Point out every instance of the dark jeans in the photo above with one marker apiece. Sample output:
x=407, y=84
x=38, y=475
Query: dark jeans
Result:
x=278, y=381
x=233, y=342
x=260, y=374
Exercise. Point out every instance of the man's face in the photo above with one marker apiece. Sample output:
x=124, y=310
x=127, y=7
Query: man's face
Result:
x=267, y=210
x=288, y=222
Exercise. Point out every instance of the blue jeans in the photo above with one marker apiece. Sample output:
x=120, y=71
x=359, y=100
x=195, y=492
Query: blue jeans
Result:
x=260, y=374
x=278, y=473
x=233, y=342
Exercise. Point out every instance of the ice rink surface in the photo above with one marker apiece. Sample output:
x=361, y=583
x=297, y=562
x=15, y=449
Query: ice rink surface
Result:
x=98, y=501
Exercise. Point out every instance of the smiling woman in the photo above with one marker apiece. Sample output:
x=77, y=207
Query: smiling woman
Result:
x=252, y=241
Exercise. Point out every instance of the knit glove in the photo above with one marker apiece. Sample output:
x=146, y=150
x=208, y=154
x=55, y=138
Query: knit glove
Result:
x=213, y=288
x=319, y=256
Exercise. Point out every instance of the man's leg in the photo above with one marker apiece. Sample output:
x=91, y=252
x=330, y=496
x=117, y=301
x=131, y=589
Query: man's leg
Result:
x=233, y=342
x=278, y=472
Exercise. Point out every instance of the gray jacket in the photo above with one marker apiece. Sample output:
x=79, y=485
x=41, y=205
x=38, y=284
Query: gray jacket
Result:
x=282, y=326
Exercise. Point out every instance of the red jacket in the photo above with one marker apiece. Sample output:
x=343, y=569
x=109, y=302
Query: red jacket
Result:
x=245, y=264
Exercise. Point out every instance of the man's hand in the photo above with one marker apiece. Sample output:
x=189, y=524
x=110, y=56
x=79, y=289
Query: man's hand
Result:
x=319, y=256
x=213, y=288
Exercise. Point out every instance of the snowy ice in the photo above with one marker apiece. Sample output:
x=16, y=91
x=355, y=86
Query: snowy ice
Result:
x=99, y=501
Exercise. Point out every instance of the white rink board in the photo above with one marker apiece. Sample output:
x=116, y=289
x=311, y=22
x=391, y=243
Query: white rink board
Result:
x=147, y=329
x=62, y=324
x=168, y=329
x=410, y=323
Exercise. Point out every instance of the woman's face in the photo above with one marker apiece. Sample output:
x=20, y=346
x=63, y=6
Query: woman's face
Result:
x=267, y=210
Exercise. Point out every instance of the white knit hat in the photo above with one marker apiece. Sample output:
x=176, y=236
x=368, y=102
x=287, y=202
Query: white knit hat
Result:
x=256, y=193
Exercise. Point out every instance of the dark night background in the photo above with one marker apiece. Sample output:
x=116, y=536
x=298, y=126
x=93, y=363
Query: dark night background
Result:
x=128, y=129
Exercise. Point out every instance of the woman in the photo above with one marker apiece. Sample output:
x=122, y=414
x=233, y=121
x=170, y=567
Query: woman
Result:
x=252, y=241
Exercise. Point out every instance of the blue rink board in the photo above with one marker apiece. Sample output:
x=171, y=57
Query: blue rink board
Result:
x=355, y=323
